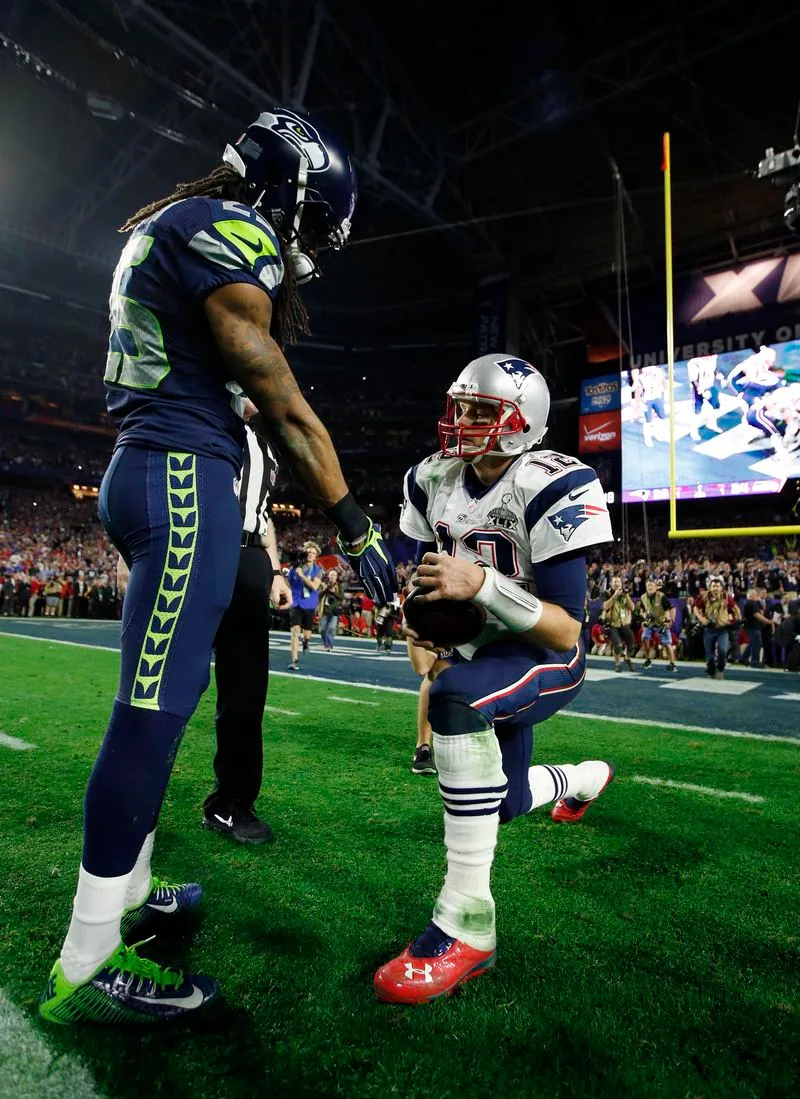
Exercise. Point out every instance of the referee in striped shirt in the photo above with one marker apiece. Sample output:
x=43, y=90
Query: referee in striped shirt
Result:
x=242, y=653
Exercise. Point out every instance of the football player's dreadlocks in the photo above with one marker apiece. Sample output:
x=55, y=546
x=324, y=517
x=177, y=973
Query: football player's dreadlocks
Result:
x=289, y=316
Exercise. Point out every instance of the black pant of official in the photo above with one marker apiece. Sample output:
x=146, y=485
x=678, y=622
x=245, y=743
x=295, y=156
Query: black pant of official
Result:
x=242, y=673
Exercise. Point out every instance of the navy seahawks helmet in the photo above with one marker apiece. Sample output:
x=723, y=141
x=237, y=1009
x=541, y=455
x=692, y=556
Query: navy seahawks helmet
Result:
x=300, y=177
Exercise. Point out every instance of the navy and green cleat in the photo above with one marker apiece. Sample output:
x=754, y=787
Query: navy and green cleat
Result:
x=164, y=899
x=125, y=989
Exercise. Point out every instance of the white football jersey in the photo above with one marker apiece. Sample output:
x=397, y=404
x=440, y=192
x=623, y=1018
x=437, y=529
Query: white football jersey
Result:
x=702, y=372
x=652, y=382
x=544, y=505
x=757, y=370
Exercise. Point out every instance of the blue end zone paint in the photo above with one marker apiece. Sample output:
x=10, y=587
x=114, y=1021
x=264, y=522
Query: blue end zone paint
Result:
x=629, y=695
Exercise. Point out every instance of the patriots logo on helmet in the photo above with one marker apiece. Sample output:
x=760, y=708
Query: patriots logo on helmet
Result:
x=567, y=520
x=299, y=133
x=517, y=369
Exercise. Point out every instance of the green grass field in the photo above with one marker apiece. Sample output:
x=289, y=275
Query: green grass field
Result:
x=650, y=951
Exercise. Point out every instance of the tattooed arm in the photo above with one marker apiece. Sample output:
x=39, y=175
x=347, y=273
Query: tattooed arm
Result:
x=239, y=315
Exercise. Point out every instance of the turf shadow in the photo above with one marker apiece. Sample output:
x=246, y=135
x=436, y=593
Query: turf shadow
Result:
x=289, y=938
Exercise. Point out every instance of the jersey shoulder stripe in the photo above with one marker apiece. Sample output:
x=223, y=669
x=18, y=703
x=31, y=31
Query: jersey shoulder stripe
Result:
x=546, y=477
x=435, y=469
x=415, y=493
x=227, y=235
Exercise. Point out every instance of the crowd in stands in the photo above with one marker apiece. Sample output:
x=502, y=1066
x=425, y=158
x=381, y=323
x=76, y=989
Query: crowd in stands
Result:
x=53, y=372
x=679, y=577
x=55, y=560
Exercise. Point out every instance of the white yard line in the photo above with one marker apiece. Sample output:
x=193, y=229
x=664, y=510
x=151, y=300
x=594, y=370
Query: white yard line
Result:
x=357, y=701
x=30, y=1069
x=710, y=730
x=346, y=682
x=58, y=641
x=282, y=639
x=278, y=710
x=711, y=791
x=15, y=743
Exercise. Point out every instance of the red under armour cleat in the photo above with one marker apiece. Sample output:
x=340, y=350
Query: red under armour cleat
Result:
x=407, y=979
x=565, y=813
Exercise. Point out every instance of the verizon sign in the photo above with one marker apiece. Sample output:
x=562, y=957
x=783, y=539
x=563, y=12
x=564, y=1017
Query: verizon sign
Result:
x=599, y=431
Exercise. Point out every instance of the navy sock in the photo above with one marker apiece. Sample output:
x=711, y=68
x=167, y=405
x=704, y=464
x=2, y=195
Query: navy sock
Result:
x=126, y=787
x=431, y=943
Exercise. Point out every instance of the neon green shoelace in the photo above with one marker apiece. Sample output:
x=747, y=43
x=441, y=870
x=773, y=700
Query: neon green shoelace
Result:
x=144, y=969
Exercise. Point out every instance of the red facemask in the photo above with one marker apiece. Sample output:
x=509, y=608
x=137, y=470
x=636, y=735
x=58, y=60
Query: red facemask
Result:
x=456, y=439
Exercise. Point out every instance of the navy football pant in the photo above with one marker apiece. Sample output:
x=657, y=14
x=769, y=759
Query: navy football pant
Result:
x=713, y=397
x=758, y=418
x=754, y=391
x=513, y=687
x=655, y=406
x=174, y=517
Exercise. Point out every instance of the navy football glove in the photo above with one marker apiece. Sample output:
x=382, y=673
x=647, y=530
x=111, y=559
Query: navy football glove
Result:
x=373, y=563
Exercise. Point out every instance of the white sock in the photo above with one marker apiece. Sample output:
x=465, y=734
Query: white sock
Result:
x=139, y=884
x=94, y=929
x=469, y=762
x=551, y=782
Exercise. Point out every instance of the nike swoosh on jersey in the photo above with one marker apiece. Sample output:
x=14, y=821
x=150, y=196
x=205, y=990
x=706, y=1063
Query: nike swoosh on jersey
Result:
x=195, y=999
x=166, y=908
x=260, y=251
x=576, y=495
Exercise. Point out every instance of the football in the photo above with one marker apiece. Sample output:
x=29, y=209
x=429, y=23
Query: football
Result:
x=445, y=622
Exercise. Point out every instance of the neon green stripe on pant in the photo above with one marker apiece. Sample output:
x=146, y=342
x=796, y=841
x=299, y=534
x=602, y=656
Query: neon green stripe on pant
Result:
x=182, y=508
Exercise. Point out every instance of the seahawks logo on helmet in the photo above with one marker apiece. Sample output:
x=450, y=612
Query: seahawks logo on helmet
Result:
x=299, y=133
x=517, y=369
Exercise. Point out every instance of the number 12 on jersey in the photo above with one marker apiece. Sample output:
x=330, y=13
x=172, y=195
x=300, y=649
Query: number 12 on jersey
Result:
x=491, y=545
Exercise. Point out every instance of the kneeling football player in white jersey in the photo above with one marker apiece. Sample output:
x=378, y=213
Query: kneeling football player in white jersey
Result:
x=507, y=527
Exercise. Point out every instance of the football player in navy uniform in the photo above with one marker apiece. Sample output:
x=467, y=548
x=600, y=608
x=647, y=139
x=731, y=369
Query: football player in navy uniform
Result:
x=754, y=377
x=203, y=299
x=704, y=378
x=507, y=528
x=650, y=388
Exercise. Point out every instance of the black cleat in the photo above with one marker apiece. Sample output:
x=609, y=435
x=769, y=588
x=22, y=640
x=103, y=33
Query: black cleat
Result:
x=240, y=823
x=423, y=761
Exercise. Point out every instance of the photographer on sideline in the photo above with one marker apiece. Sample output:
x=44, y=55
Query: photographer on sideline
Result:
x=618, y=613
x=331, y=599
x=304, y=581
x=658, y=615
x=717, y=611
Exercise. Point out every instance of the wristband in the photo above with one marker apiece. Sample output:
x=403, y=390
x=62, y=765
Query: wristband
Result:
x=516, y=608
x=352, y=522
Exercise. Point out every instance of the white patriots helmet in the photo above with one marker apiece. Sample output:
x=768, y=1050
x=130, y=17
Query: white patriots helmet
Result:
x=523, y=404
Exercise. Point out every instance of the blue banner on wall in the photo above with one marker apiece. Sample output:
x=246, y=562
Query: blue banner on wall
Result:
x=492, y=317
x=600, y=394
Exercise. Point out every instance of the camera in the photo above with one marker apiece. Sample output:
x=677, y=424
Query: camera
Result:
x=784, y=168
